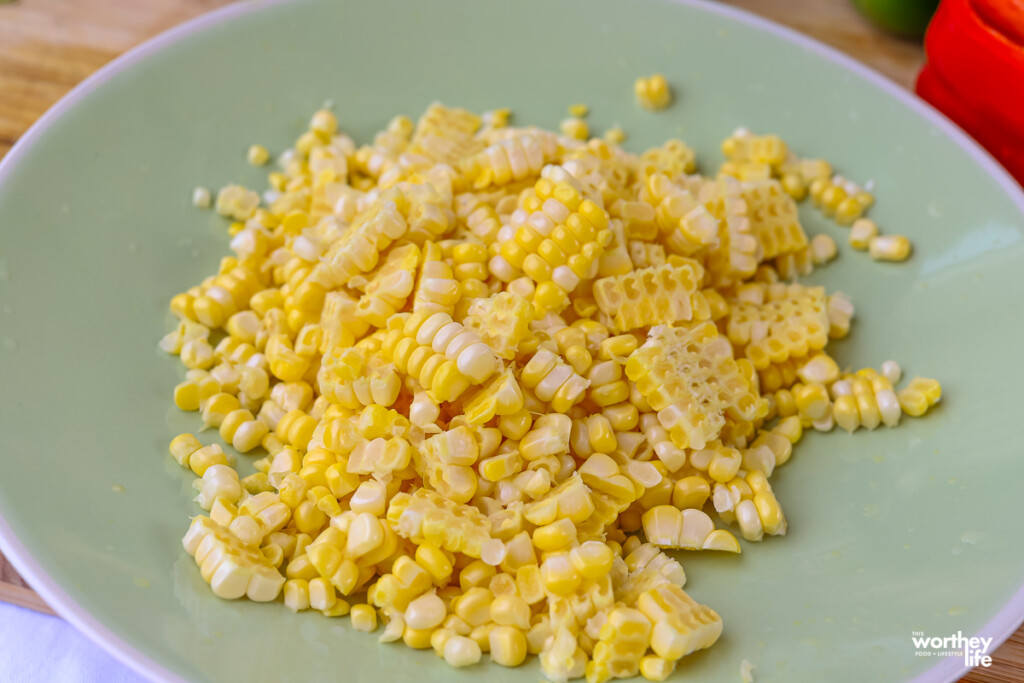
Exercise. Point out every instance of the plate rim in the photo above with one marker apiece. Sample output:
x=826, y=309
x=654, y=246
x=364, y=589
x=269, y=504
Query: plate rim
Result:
x=1005, y=621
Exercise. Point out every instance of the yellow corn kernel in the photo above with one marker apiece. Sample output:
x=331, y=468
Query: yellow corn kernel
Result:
x=296, y=594
x=182, y=447
x=554, y=536
x=812, y=400
x=592, y=559
x=476, y=573
x=502, y=584
x=615, y=135
x=510, y=610
x=393, y=629
x=204, y=458
x=867, y=406
x=862, y=232
x=931, y=389
x=507, y=645
x=461, y=651
x=474, y=606
x=691, y=492
x=823, y=249
x=435, y=561
x=257, y=155
x=575, y=128
x=655, y=668
x=425, y=612
x=919, y=395
x=653, y=93
x=364, y=618
x=889, y=248
x=579, y=110
x=559, y=575
x=820, y=369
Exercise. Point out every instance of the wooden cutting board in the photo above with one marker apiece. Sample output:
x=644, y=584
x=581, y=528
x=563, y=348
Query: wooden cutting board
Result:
x=48, y=46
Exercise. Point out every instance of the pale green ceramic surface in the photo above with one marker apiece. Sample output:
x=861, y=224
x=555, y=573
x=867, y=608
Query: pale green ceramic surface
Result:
x=917, y=528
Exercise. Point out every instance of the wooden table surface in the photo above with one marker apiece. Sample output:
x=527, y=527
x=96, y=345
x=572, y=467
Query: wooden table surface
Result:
x=48, y=46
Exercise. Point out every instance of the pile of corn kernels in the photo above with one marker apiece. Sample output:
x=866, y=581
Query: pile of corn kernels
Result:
x=493, y=373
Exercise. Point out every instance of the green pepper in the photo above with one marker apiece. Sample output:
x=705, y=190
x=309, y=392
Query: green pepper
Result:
x=905, y=18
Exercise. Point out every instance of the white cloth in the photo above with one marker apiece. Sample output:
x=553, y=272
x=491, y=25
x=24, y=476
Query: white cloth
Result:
x=38, y=648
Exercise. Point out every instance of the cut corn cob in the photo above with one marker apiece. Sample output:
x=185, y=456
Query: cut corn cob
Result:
x=778, y=322
x=232, y=569
x=651, y=296
x=428, y=517
x=735, y=257
x=773, y=219
x=689, y=376
x=502, y=321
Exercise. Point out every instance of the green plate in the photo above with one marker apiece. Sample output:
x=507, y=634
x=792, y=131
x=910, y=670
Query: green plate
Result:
x=915, y=529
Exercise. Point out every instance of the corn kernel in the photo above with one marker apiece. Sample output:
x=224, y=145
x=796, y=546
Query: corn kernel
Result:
x=889, y=248
x=461, y=651
x=507, y=645
x=862, y=232
x=653, y=93
x=257, y=155
x=364, y=618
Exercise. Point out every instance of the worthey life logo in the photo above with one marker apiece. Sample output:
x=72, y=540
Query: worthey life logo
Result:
x=973, y=650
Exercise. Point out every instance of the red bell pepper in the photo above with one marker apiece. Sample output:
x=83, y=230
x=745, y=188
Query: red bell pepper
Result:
x=975, y=73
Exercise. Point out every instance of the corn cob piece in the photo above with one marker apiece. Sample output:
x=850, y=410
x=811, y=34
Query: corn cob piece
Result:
x=432, y=370
x=689, y=376
x=446, y=462
x=745, y=147
x=232, y=569
x=651, y=296
x=553, y=380
x=436, y=289
x=680, y=624
x=502, y=321
x=458, y=344
x=645, y=254
x=669, y=527
x=479, y=216
x=642, y=569
x=387, y=290
x=427, y=517
x=686, y=223
x=622, y=642
x=511, y=159
x=773, y=218
x=446, y=135
x=358, y=250
x=735, y=257
x=783, y=322
x=354, y=377
x=672, y=159
x=556, y=240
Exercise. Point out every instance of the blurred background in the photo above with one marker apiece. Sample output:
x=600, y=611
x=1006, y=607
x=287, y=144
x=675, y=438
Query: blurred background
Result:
x=47, y=46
